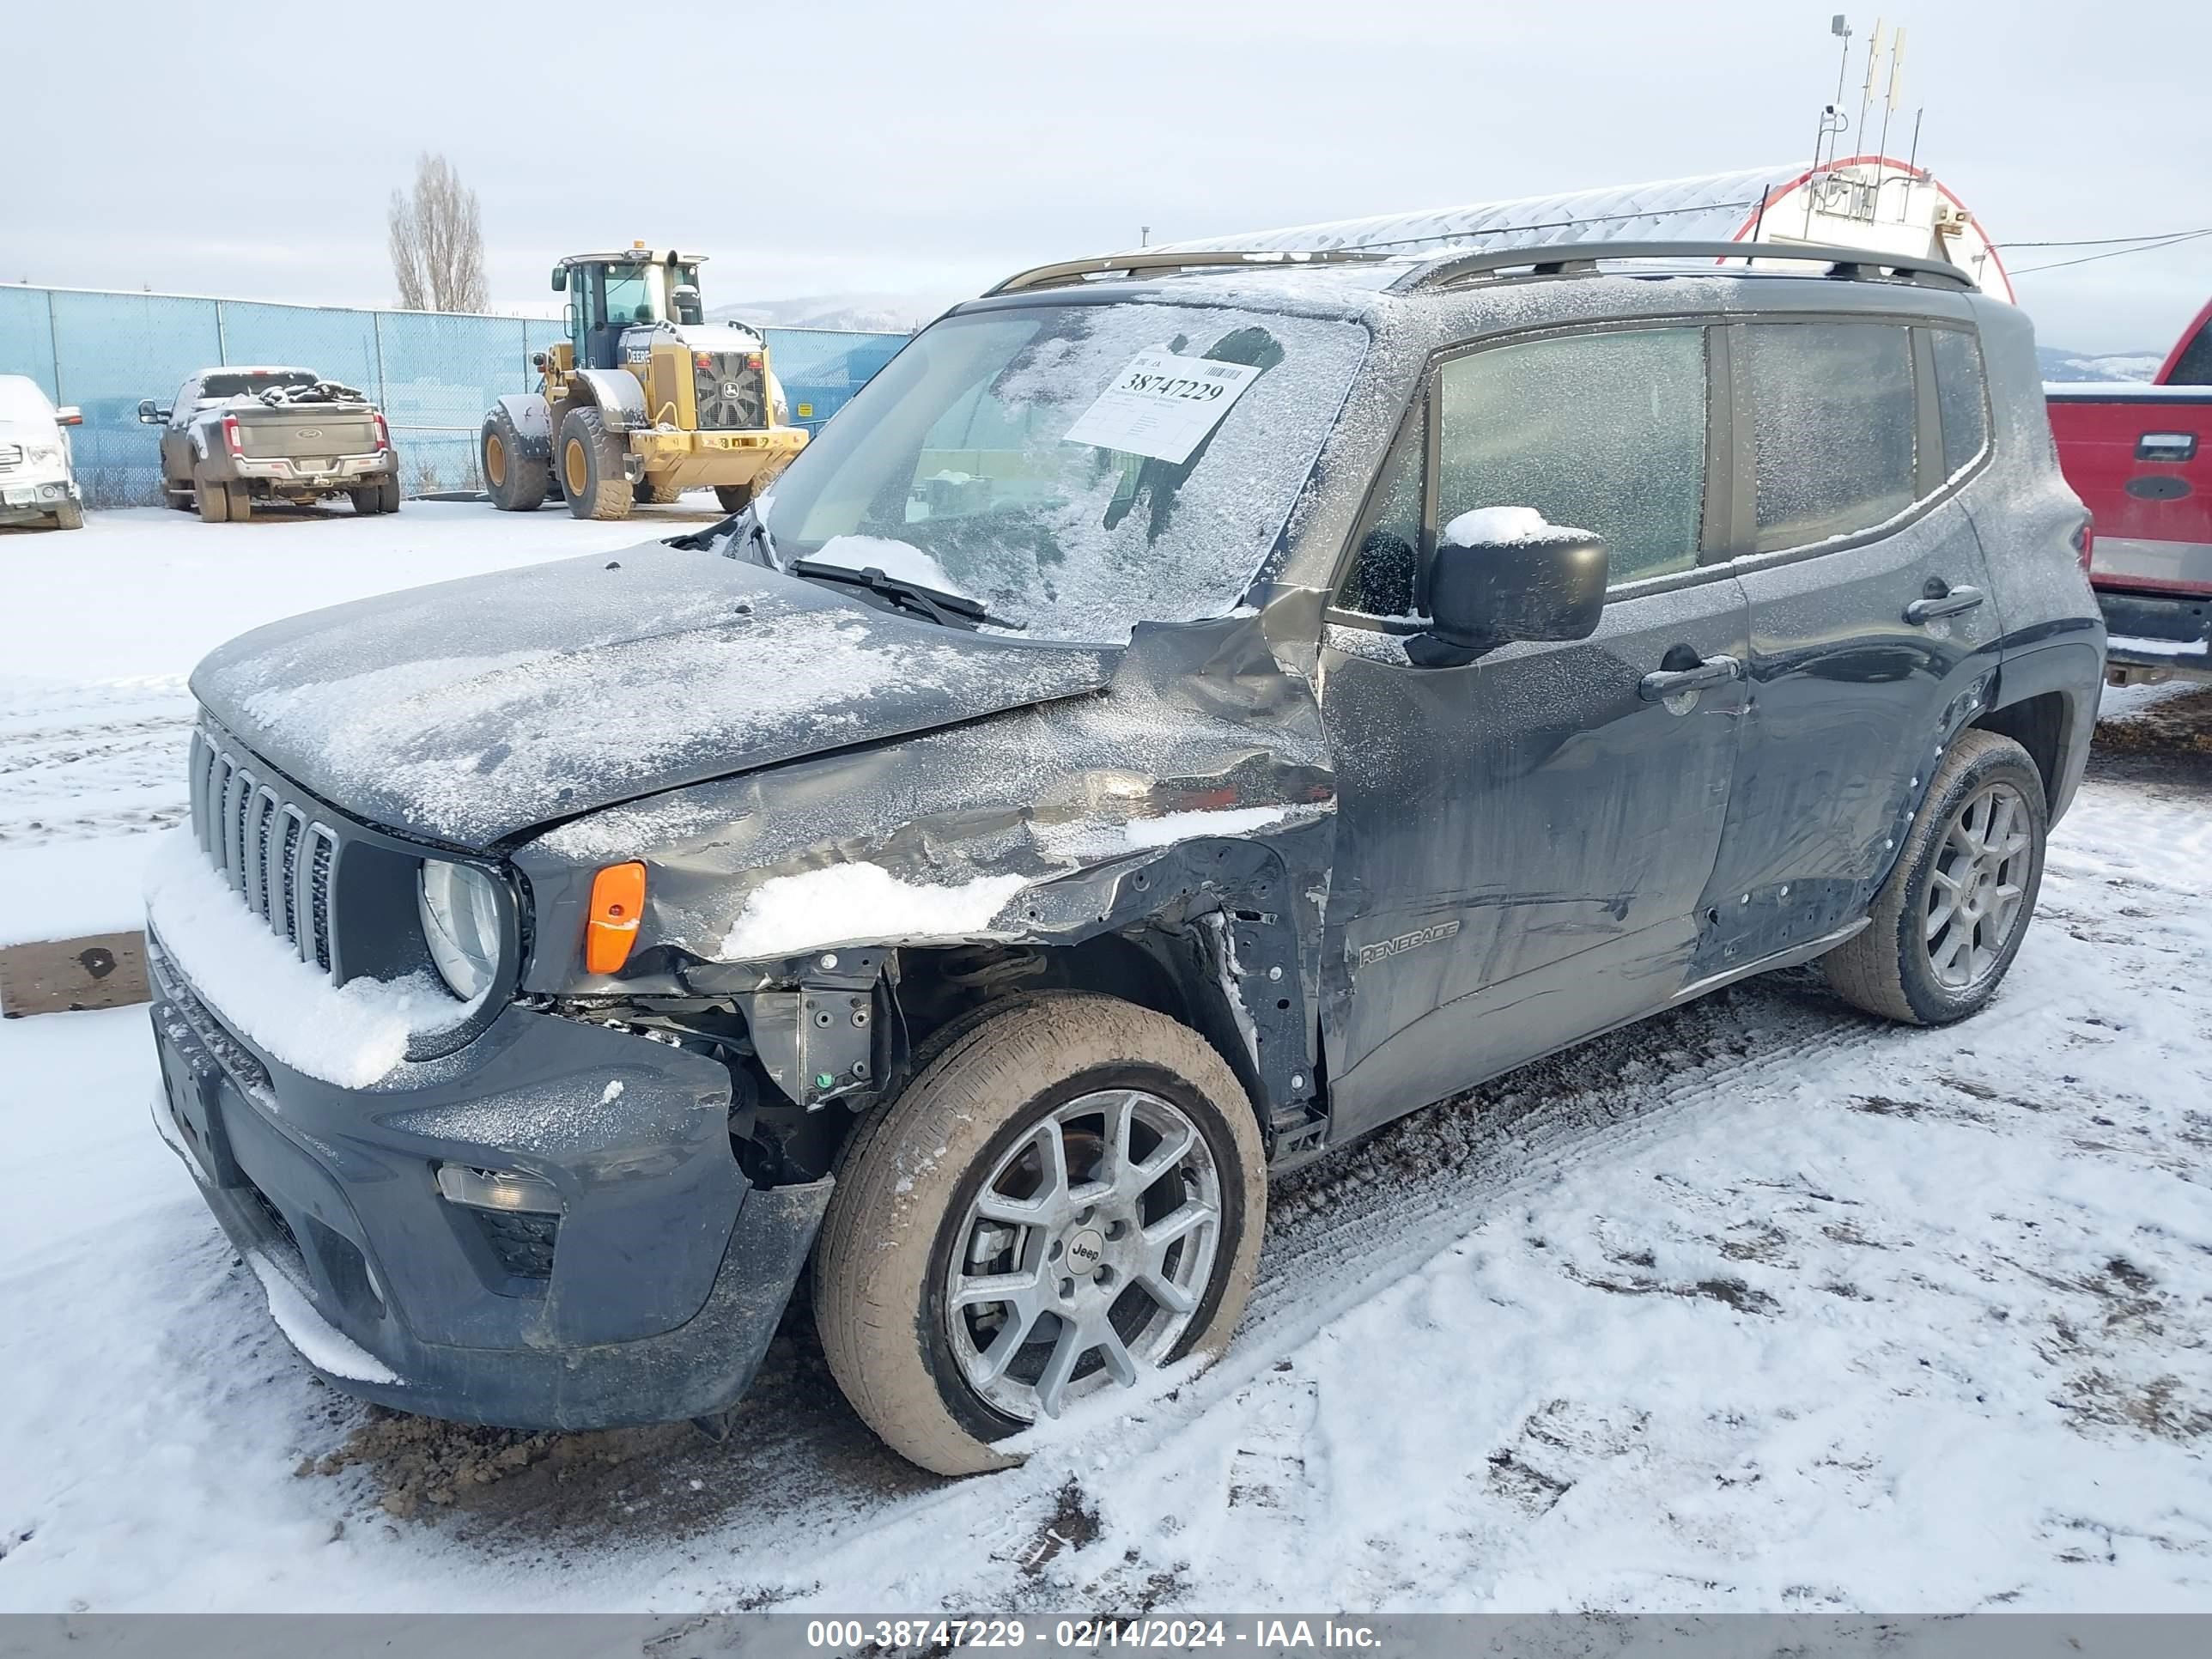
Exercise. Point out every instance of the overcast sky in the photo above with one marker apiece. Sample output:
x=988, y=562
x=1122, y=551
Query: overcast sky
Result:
x=243, y=147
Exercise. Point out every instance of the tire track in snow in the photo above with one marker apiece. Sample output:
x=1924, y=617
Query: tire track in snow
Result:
x=79, y=762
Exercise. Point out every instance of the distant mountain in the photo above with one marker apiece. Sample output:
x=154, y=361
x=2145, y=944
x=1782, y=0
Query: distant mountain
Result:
x=874, y=313
x=2059, y=364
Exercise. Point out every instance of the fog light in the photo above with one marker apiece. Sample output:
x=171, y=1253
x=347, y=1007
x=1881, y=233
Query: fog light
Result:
x=497, y=1189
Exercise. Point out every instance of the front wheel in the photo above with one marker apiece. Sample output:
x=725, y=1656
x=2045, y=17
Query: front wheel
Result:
x=591, y=475
x=516, y=475
x=1069, y=1196
x=1949, y=921
x=69, y=515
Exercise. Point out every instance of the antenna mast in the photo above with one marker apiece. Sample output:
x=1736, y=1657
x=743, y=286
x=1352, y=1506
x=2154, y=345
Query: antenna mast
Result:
x=1896, y=69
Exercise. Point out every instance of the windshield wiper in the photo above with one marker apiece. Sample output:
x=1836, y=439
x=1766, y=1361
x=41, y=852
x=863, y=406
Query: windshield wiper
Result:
x=948, y=610
x=743, y=525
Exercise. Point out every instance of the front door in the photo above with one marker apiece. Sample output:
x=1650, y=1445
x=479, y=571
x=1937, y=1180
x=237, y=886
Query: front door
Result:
x=1524, y=842
x=1872, y=617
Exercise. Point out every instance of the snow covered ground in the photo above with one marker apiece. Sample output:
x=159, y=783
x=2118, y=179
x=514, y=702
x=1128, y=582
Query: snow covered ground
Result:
x=109, y=620
x=1759, y=1305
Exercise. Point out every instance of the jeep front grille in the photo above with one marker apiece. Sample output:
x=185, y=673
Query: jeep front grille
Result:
x=729, y=386
x=268, y=844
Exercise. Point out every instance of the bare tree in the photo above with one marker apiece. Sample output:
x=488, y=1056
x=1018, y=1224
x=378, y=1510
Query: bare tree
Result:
x=437, y=247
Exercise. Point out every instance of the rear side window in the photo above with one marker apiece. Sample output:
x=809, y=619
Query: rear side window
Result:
x=2194, y=366
x=1958, y=397
x=1602, y=432
x=1833, y=414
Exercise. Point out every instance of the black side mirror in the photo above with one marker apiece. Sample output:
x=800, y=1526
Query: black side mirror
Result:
x=148, y=414
x=1537, y=581
x=560, y=279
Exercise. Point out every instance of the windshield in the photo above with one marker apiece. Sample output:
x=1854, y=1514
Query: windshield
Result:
x=251, y=381
x=1061, y=465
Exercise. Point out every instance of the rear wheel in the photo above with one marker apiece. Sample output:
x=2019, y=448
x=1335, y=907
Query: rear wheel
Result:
x=1067, y=1198
x=1949, y=921
x=591, y=475
x=241, y=503
x=658, y=495
x=515, y=478
x=734, y=498
x=213, y=500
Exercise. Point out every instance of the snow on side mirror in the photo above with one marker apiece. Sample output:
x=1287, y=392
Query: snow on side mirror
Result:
x=1502, y=573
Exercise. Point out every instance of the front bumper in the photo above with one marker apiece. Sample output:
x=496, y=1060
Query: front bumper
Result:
x=651, y=1299
x=33, y=498
x=2154, y=637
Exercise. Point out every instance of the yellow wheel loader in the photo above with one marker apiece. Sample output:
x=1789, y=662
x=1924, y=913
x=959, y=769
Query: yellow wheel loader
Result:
x=644, y=399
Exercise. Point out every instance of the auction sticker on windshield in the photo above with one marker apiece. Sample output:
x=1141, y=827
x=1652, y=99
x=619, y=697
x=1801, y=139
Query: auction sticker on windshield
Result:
x=1162, y=405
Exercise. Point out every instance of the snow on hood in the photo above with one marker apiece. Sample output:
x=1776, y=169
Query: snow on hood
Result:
x=472, y=710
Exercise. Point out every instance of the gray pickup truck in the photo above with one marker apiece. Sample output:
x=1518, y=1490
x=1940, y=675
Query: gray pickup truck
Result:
x=239, y=435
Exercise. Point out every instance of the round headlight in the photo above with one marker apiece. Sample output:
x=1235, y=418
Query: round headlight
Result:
x=461, y=919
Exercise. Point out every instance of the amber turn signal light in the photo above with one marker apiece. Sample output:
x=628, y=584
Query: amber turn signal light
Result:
x=618, y=902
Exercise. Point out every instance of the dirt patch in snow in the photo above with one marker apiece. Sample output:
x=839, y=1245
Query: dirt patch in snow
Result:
x=663, y=1479
x=2166, y=742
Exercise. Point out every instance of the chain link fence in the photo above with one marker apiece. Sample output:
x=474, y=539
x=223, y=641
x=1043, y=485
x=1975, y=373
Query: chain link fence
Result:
x=433, y=375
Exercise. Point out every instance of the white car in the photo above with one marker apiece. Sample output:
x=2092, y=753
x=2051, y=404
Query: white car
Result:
x=38, y=479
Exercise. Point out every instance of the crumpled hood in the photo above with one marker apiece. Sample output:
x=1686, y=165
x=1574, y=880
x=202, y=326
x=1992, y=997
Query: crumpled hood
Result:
x=471, y=710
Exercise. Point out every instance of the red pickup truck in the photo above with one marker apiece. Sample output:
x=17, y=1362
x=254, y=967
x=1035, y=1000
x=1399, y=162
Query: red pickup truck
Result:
x=2140, y=457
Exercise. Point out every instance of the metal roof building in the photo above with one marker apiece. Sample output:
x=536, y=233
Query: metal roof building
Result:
x=1862, y=201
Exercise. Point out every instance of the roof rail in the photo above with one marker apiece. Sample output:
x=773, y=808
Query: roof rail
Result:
x=1580, y=259
x=1131, y=264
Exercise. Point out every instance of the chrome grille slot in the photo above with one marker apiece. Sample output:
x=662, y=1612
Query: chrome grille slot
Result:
x=264, y=815
x=288, y=874
x=319, y=887
x=280, y=860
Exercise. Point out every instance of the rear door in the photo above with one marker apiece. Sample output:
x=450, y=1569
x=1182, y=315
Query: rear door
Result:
x=1873, y=621
x=1524, y=840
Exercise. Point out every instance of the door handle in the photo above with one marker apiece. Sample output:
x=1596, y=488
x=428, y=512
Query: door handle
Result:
x=1952, y=603
x=1658, y=686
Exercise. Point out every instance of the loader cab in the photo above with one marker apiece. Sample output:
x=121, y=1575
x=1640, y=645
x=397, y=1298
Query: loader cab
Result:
x=611, y=293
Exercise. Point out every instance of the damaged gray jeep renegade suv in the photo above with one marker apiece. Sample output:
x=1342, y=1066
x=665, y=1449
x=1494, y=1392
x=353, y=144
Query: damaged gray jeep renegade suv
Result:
x=1185, y=712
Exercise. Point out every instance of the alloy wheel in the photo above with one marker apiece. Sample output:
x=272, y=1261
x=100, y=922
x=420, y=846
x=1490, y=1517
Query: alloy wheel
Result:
x=1976, y=888
x=1086, y=1255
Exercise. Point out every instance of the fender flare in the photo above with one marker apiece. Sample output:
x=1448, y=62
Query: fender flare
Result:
x=533, y=418
x=619, y=395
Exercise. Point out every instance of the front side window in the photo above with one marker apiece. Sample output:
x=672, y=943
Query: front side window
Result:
x=1834, y=410
x=628, y=297
x=988, y=459
x=1958, y=397
x=1382, y=580
x=1599, y=432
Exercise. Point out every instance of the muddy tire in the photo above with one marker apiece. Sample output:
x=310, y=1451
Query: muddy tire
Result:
x=212, y=500
x=515, y=478
x=1949, y=921
x=658, y=495
x=734, y=498
x=241, y=503
x=1132, y=1246
x=69, y=515
x=591, y=460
